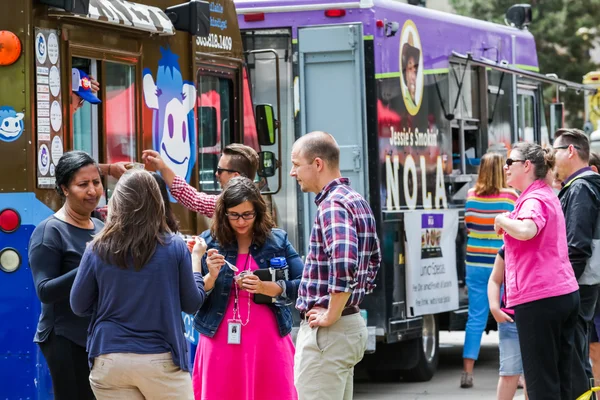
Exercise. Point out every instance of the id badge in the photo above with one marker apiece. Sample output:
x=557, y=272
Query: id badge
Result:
x=234, y=332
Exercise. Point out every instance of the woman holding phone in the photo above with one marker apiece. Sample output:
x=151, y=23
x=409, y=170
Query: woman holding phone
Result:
x=246, y=351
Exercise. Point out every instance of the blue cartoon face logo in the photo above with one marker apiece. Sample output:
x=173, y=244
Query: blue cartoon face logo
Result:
x=11, y=124
x=44, y=157
x=172, y=101
x=41, y=45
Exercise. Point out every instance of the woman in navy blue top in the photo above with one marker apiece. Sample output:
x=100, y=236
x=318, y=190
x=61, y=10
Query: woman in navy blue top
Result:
x=136, y=279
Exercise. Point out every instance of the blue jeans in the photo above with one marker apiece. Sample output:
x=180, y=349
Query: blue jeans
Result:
x=510, y=351
x=479, y=309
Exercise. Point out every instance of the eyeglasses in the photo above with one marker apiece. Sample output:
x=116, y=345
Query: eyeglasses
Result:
x=566, y=147
x=510, y=161
x=231, y=171
x=247, y=215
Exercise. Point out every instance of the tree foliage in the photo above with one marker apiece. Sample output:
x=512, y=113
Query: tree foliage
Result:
x=563, y=47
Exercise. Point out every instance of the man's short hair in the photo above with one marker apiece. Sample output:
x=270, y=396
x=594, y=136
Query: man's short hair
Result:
x=322, y=145
x=578, y=139
x=594, y=160
x=242, y=159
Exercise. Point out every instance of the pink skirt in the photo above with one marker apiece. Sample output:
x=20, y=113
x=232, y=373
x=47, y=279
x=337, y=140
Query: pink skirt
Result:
x=261, y=367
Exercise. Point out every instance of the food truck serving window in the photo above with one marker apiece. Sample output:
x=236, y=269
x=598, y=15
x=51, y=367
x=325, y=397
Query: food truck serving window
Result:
x=107, y=130
x=215, y=125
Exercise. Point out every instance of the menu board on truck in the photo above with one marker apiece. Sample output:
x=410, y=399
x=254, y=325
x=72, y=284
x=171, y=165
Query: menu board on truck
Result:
x=48, y=106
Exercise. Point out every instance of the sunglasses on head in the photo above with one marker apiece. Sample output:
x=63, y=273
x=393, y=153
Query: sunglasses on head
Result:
x=510, y=161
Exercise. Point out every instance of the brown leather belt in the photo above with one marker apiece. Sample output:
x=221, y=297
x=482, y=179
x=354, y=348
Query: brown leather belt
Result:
x=347, y=311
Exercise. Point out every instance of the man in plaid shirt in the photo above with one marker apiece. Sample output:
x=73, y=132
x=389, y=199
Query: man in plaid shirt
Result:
x=237, y=159
x=340, y=268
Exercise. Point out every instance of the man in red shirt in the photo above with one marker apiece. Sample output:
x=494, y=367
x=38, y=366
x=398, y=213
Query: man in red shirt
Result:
x=237, y=159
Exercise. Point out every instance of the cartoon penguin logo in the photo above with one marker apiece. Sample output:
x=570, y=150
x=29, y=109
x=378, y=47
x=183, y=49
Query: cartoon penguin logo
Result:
x=44, y=156
x=40, y=48
x=41, y=45
x=11, y=124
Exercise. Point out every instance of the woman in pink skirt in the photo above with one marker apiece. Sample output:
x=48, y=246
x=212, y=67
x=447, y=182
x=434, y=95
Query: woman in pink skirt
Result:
x=245, y=350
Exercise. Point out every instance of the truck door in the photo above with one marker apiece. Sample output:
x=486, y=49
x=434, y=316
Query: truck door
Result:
x=108, y=131
x=332, y=98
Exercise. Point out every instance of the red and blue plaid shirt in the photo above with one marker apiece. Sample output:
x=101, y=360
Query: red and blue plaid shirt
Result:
x=192, y=199
x=343, y=254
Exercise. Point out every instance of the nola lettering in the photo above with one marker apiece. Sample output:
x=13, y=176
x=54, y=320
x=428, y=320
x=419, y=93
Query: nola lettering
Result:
x=410, y=183
x=416, y=139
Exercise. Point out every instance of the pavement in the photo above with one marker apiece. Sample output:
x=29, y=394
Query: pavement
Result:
x=446, y=382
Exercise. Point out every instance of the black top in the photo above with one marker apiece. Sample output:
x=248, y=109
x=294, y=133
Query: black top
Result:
x=580, y=199
x=55, y=250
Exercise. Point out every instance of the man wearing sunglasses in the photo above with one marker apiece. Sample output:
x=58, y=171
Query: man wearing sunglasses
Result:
x=580, y=201
x=237, y=159
x=84, y=89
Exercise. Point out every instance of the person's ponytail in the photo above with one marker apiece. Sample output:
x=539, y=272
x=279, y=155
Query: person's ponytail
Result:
x=549, y=159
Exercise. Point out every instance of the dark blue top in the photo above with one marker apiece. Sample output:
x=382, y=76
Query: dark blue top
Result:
x=139, y=311
x=209, y=317
x=55, y=250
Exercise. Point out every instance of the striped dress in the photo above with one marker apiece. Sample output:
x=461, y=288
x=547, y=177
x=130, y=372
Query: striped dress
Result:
x=480, y=211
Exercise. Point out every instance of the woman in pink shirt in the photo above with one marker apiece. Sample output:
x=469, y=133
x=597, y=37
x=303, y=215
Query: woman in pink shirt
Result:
x=540, y=282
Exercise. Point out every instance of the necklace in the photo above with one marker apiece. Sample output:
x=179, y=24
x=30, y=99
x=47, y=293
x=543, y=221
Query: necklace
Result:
x=236, y=310
x=67, y=215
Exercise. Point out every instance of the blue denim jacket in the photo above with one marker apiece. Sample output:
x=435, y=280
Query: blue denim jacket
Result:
x=208, y=319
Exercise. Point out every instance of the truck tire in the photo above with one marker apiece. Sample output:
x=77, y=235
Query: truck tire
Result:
x=429, y=349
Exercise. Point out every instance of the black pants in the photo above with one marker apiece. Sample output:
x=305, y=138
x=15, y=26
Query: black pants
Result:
x=581, y=370
x=546, y=335
x=68, y=364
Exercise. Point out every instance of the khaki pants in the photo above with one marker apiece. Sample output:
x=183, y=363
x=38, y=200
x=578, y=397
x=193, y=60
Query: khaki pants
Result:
x=139, y=376
x=325, y=358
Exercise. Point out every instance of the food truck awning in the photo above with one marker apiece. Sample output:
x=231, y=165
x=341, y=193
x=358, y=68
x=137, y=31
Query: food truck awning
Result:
x=127, y=14
x=505, y=67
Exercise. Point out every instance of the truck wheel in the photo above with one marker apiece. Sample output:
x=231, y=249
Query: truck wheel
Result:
x=429, y=348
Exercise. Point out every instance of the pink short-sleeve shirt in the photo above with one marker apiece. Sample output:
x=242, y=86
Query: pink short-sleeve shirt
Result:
x=538, y=268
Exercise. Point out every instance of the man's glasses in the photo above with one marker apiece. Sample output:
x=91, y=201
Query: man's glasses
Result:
x=510, y=161
x=247, y=215
x=231, y=171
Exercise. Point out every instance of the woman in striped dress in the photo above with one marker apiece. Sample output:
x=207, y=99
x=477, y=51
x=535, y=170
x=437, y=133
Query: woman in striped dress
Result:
x=485, y=201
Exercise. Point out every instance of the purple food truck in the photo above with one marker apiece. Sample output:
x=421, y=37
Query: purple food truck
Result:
x=414, y=98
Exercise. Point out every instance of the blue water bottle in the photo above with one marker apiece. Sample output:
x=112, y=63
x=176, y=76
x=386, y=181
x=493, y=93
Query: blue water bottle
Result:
x=280, y=263
x=279, y=270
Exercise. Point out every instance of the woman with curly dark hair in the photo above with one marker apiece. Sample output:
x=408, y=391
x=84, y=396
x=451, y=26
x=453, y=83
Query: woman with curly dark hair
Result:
x=246, y=351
